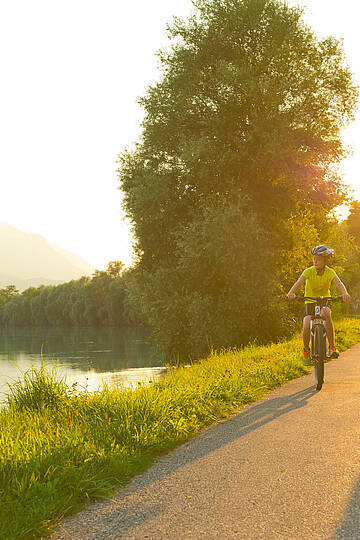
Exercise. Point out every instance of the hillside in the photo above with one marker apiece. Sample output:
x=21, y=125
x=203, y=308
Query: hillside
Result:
x=30, y=260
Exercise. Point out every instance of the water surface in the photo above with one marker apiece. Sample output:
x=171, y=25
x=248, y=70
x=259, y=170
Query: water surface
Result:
x=87, y=356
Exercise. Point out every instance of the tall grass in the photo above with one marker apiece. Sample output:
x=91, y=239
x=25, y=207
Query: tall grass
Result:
x=60, y=448
x=38, y=388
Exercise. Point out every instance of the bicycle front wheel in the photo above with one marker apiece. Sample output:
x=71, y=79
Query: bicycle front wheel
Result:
x=319, y=356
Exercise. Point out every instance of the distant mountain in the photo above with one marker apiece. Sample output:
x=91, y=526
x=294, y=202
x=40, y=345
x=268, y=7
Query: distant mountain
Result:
x=30, y=260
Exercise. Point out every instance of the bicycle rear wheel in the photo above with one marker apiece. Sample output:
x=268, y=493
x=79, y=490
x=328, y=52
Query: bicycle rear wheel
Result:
x=319, y=356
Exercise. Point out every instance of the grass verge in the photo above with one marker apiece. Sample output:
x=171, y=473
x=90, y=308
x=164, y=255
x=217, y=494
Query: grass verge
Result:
x=59, y=448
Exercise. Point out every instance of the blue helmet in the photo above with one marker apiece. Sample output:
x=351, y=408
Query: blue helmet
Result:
x=323, y=250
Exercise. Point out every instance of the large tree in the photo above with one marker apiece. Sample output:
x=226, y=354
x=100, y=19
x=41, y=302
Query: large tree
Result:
x=250, y=108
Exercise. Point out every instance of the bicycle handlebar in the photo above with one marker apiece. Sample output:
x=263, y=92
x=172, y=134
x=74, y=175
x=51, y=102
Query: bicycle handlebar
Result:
x=320, y=298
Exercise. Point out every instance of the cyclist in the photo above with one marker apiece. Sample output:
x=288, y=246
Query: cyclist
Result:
x=317, y=280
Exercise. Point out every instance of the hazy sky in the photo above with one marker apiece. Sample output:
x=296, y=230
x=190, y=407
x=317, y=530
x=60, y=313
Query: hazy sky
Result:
x=71, y=71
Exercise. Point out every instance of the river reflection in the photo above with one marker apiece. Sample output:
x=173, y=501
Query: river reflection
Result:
x=88, y=356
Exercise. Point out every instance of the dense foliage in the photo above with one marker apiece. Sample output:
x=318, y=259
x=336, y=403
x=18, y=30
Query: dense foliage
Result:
x=234, y=179
x=100, y=300
x=352, y=227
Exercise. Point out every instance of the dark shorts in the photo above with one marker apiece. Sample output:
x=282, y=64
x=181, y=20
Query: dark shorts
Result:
x=309, y=309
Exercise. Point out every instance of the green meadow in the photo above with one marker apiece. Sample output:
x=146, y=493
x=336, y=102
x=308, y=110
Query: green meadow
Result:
x=60, y=448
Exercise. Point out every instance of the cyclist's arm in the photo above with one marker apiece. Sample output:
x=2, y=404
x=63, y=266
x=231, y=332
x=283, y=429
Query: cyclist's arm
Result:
x=341, y=287
x=291, y=294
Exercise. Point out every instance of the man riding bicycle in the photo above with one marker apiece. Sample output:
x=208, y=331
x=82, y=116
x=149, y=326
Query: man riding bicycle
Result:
x=317, y=279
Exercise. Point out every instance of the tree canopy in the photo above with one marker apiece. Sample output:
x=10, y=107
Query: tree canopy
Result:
x=247, y=115
x=102, y=300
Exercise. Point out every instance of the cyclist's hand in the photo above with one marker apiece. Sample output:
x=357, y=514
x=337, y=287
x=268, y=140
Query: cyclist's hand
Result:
x=346, y=297
x=291, y=296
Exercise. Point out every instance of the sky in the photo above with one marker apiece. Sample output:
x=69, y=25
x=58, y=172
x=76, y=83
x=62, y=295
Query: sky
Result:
x=71, y=74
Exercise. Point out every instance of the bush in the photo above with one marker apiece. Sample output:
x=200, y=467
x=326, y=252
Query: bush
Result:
x=221, y=293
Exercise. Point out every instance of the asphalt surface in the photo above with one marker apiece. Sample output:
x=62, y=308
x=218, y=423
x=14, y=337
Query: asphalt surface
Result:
x=285, y=467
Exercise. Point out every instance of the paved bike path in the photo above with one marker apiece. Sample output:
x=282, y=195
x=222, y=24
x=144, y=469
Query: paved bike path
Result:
x=286, y=467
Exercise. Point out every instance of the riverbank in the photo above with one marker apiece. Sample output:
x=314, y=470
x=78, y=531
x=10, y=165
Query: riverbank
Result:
x=60, y=448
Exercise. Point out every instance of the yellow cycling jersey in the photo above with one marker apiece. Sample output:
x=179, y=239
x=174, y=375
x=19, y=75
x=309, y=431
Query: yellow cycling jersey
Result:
x=316, y=285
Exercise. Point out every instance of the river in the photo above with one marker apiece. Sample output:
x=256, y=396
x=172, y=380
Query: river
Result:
x=86, y=356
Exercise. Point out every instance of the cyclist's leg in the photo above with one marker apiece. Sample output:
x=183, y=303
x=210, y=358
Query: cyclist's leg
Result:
x=326, y=313
x=306, y=331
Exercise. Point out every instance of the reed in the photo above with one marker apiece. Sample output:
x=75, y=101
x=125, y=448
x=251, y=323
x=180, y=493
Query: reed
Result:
x=60, y=447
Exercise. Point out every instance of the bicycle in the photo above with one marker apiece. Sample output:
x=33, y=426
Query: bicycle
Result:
x=318, y=341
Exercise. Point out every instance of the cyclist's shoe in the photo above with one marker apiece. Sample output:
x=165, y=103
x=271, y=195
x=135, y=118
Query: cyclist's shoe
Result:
x=306, y=360
x=333, y=352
